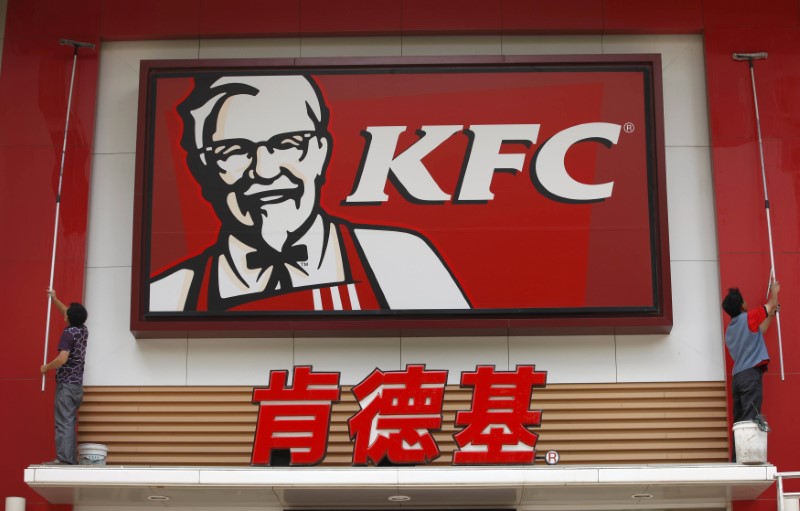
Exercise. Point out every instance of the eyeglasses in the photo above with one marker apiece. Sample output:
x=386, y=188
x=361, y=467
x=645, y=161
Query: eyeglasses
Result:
x=238, y=154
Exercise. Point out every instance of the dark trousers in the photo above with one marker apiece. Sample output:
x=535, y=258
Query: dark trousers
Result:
x=747, y=394
x=68, y=400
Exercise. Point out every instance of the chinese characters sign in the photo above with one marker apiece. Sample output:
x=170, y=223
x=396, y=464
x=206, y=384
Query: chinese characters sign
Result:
x=398, y=412
x=526, y=191
x=295, y=418
x=496, y=428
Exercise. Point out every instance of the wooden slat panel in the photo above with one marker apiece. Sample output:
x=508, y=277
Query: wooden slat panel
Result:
x=603, y=423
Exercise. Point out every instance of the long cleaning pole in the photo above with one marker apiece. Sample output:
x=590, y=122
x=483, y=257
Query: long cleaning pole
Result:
x=750, y=57
x=75, y=45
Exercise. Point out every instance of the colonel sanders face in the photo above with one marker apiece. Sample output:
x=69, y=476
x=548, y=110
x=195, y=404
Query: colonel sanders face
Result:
x=259, y=147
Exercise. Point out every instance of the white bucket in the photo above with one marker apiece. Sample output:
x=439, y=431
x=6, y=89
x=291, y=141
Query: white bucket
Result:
x=791, y=503
x=750, y=442
x=92, y=454
x=15, y=503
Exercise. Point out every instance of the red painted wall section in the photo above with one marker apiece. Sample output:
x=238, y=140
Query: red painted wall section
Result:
x=33, y=95
x=741, y=214
x=33, y=102
x=673, y=17
x=251, y=18
x=351, y=17
x=150, y=19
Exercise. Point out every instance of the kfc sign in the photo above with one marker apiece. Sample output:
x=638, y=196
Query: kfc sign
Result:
x=528, y=192
x=483, y=160
x=398, y=412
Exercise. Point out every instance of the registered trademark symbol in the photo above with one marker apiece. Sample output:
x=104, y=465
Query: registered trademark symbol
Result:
x=550, y=457
x=629, y=127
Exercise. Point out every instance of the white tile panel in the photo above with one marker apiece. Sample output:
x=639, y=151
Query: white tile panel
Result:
x=694, y=349
x=249, y=48
x=461, y=476
x=354, y=358
x=567, y=359
x=552, y=45
x=687, y=473
x=683, y=70
x=690, y=200
x=110, y=230
x=113, y=356
x=350, y=46
x=455, y=354
x=236, y=361
x=42, y=475
x=452, y=45
x=321, y=477
x=118, y=89
x=556, y=475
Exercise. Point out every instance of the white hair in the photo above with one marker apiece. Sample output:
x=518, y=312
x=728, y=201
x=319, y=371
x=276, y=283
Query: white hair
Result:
x=283, y=92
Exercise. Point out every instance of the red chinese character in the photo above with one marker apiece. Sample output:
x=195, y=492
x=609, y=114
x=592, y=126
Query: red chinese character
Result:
x=295, y=418
x=398, y=410
x=496, y=429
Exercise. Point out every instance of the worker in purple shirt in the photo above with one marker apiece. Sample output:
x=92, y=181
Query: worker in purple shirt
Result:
x=69, y=379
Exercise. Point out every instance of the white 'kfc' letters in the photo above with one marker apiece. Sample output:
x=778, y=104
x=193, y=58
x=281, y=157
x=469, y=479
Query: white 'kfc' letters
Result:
x=485, y=157
x=407, y=167
x=551, y=173
x=482, y=161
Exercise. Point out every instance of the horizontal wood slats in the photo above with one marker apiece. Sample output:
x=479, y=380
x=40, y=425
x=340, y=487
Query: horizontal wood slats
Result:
x=586, y=423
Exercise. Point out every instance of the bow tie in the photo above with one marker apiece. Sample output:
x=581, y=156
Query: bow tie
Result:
x=267, y=258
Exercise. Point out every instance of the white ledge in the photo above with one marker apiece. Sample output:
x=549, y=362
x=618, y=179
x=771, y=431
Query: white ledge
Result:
x=533, y=488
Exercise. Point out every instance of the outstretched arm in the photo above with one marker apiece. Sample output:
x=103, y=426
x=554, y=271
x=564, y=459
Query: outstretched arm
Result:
x=58, y=303
x=772, y=306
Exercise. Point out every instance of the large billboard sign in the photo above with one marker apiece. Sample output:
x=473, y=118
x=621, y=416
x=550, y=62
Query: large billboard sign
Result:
x=298, y=194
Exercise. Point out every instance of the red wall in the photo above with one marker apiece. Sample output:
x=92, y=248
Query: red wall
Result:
x=34, y=82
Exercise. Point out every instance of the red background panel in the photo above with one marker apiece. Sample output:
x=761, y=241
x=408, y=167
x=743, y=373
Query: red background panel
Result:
x=634, y=16
x=454, y=16
x=350, y=17
x=53, y=20
x=33, y=87
x=541, y=246
x=150, y=19
x=741, y=218
x=576, y=16
x=777, y=80
x=249, y=18
x=35, y=166
x=28, y=424
x=782, y=161
x=766, y=16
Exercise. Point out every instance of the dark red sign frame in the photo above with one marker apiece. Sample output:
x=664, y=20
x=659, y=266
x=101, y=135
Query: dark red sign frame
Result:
x=653, y=314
